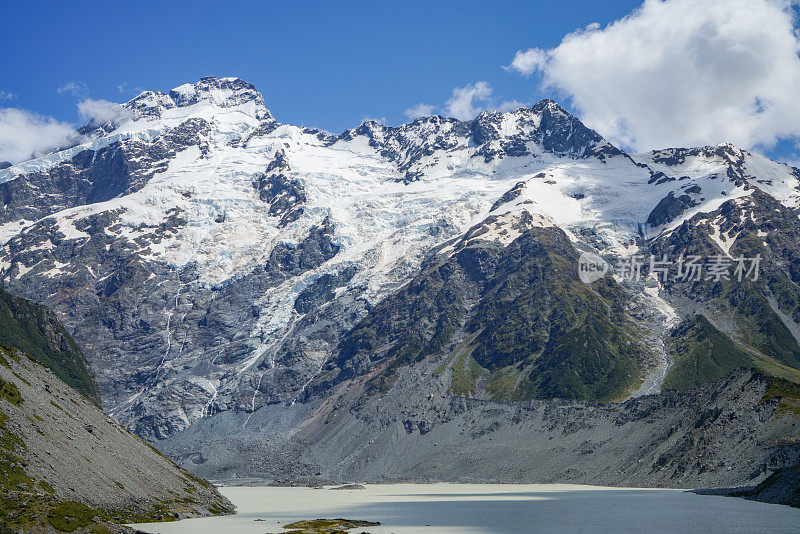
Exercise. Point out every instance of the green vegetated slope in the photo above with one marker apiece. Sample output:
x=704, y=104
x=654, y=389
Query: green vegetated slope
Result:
x=753, y=318
x=513, y=322
x=35, y=330
x=65, y=467
x=699, y=353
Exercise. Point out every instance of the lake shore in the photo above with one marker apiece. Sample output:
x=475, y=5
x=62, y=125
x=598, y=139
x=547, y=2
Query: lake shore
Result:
x=489, y=508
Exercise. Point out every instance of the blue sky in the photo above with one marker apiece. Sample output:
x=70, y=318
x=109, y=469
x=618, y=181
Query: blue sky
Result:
x=326, y=64
x=323, y=64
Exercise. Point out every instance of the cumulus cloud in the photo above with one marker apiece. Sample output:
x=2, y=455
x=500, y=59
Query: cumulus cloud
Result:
x=24, y=134
x=5, y=95
x=123, y=88
x=75, y=88
x=379, y=120
x=466, y=101
x=102, y=111
x=511, y=105
x=420, y=110
x=682, y=72
x=528, y=61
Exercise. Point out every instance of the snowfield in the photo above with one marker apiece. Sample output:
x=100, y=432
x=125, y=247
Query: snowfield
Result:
x=391, y=196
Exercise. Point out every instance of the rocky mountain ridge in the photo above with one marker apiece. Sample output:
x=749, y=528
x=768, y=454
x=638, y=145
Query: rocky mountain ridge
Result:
x=66, y=466
x=219, y=267
x=36, y=331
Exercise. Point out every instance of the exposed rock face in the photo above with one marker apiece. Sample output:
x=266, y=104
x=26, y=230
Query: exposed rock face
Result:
x=760, y=314
x=546, y=126
x=36, y=330
x=284, y=195
x=218, y=267
x=782, y=487
x=59, y=448
x=561, y=133
x=509, y=316
x=322, y=290
x=91, y=176
x=730, y=432
x=669, y=208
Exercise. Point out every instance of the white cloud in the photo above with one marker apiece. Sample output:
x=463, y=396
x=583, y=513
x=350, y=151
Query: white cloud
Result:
x=75, y=88
x=24, y=134
x=511, y=105
x=5, y=95
x=528, y=61
x=101, y=111
x=793, y=159
x=420, y=110
x=682, y=72
x=123, y=88
x=379, y=120
x=463, y=104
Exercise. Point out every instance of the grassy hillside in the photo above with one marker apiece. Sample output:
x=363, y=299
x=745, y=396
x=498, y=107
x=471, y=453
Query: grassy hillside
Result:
x=65, y=467
x=35, y=330
x=513, y=323
x=701, y=353
x=755, y=315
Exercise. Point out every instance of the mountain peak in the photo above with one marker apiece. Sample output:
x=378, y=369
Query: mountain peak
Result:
x=225, y=92
x=222, y=92
x=549, y=105
x=725, y=152
x=563, y=133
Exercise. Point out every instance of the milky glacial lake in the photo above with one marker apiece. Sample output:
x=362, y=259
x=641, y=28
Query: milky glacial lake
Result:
x=491, y=508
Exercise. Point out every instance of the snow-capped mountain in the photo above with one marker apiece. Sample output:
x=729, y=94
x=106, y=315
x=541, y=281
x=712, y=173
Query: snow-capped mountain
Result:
x=211, y=260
